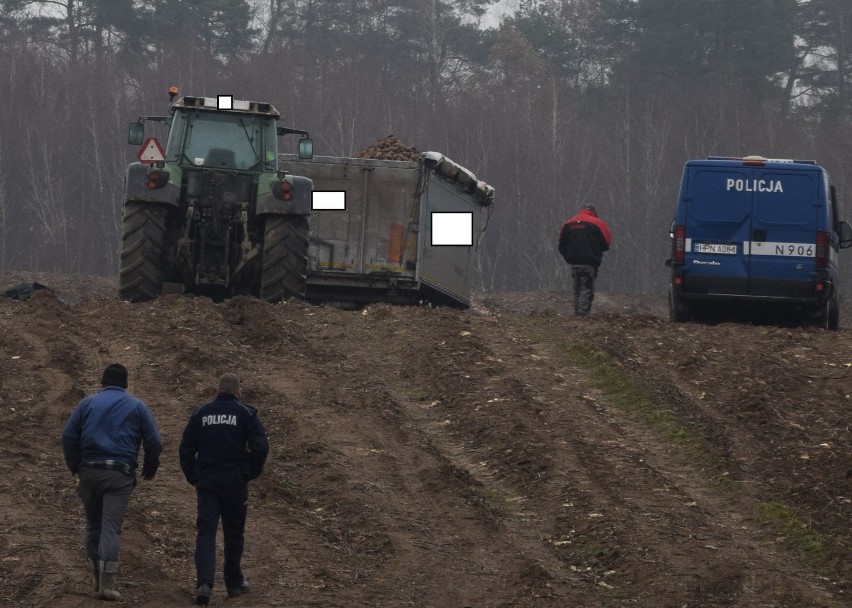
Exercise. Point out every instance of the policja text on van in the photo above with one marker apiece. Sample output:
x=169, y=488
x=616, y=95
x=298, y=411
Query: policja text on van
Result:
x=754, y=185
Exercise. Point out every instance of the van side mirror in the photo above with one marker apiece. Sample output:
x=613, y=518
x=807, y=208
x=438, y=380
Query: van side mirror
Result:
x=844, y=232
x=306, y=149
x=136, y=134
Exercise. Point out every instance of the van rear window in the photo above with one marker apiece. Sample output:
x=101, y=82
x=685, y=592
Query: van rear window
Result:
x=714, y=201
x=791, y=204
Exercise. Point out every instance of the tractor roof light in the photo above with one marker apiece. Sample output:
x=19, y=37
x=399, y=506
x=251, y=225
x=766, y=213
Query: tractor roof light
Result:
x=224, y=103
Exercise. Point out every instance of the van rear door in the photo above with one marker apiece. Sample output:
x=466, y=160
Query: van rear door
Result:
x=784, y=220
x=718, y=220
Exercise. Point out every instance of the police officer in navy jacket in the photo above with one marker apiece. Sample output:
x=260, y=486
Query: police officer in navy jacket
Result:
x=223, y=447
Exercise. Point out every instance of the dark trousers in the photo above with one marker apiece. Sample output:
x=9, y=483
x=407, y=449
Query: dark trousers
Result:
x=105, y=495
x=222, y=495
x=584, y=287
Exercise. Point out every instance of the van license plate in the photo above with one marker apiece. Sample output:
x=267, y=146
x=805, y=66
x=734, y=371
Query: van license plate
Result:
x=715, y=248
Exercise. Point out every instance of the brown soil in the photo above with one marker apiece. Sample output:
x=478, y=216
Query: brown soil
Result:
x=442, y=458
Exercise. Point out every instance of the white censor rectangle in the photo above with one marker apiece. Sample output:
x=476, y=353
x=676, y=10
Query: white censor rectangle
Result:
x=225, y=102
x=452, y=228
x=328, y=200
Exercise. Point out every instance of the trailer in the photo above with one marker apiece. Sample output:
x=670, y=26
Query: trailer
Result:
x=385, y=239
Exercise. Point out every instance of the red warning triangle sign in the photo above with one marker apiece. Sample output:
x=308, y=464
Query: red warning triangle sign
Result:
x=151, y=152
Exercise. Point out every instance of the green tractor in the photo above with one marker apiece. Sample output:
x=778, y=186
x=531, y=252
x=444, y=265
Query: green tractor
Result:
x=211, y=213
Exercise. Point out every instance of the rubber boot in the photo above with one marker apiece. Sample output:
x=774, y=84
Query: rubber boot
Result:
x=108, y=570
x=96, y=572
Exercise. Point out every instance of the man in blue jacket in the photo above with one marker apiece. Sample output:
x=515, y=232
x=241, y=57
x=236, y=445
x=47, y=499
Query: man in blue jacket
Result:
x=101, y=444
x=223, y=447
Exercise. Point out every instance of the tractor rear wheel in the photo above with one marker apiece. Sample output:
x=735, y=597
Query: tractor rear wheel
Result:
x=285, y=257
x=143, y=239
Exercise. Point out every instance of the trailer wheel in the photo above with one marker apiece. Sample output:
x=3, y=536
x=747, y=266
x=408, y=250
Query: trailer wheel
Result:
x=679, y=312
x=285, y=257
x=143, y=239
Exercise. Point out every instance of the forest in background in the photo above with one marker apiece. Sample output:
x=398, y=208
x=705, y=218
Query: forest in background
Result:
x=563, y=102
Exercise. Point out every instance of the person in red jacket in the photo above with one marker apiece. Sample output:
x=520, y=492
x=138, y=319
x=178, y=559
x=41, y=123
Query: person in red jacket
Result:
x=582, y=242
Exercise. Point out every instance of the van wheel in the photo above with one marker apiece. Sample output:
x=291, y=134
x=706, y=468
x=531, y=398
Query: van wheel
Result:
x=831, y=313
x=678, y=311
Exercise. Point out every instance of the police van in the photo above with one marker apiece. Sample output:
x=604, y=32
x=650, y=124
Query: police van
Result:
x=757, y=231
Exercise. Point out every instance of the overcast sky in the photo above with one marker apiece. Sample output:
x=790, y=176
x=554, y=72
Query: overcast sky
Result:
x=497, y=10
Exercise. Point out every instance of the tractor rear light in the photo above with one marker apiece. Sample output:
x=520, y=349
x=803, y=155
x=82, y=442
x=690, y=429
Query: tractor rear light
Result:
x=157, y=179
x=283, y=190
x=679, y=245
x=822, y=244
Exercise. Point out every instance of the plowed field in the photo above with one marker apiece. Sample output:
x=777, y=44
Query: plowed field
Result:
x=508, y=455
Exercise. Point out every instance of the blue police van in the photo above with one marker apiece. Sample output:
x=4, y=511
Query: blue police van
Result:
x=758, y=231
